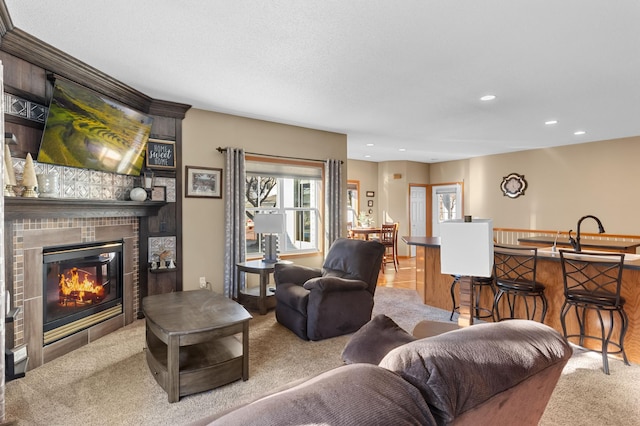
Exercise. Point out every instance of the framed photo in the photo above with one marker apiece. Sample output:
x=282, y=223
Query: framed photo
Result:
x=370, y=203
x=203, y=182
x=161, y=154
x=371, y=194
x=159, y=193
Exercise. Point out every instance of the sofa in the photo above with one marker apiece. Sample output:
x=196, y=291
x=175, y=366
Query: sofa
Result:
x=487, y=374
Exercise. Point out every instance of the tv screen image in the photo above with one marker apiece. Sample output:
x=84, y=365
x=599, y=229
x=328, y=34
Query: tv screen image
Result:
x=87, y=130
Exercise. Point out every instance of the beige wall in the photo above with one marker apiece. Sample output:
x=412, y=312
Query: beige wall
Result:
x=390, y=180
x=366, y=173
x=203, y=219
x=564, y=184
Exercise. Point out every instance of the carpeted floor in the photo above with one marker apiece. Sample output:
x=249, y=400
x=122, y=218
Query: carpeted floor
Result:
x=108, y=382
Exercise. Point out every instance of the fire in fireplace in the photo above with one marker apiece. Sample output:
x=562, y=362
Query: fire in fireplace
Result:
x=82, y=286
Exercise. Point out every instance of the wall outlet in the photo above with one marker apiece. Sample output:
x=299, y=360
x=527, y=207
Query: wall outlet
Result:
x=203, y=282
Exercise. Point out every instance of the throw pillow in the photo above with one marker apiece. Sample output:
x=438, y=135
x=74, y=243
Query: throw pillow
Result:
x=462, y=369
x=374, y=340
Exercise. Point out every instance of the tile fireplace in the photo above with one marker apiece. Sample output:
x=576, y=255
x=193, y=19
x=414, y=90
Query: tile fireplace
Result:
x=82, y=286
x=31, y=240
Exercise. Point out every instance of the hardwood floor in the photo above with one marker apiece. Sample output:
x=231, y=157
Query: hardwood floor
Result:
x=404, y=278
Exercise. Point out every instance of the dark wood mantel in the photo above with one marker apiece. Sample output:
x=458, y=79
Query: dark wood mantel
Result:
x=48, y=208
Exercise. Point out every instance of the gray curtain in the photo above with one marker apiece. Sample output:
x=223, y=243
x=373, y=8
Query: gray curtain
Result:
x=234, y=220
x=334, y=202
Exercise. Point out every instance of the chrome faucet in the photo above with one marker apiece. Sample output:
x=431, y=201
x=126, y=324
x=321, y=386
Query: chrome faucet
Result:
x=575, y=243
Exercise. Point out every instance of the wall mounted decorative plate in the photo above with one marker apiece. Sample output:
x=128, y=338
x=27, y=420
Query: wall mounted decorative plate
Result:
x=513, y=185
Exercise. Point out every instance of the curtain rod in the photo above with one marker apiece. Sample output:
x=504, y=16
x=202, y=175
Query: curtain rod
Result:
x=221, y=150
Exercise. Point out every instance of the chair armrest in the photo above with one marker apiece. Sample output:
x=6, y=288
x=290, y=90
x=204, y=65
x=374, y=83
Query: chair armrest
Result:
x=335, y=284
x=295, y=274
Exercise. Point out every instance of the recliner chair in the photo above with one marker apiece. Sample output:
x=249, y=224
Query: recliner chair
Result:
x=319, y=303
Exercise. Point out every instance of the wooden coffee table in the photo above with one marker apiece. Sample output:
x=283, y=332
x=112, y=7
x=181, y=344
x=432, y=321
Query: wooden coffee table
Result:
x=191, y=342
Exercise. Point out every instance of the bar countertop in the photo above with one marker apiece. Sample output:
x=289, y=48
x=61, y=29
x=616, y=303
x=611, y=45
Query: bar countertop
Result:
x=584, y=242
x=631, y=261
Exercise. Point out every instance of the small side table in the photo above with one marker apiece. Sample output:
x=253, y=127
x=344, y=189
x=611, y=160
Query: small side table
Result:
x=259, y=298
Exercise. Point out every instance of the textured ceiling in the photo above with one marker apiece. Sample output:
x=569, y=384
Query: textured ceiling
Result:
x=397, y=74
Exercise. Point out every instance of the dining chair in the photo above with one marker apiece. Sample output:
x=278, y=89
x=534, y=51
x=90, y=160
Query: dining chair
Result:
x=514, y=270
x=389, y=239
x=592, y=284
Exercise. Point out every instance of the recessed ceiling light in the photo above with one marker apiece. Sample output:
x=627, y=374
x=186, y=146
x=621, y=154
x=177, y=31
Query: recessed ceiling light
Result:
x=579, y=132
x=367, y=156
x=550, y=122
x=369, y=144
x=488, y=97
x=402, y=150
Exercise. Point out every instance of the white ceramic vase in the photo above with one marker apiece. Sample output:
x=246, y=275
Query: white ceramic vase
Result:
x=138, y=194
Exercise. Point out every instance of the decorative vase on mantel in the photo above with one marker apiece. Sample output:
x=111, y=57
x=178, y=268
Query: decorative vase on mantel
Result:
x=29, y=180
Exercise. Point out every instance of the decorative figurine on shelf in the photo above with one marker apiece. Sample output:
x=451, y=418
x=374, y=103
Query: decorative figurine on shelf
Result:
x=164, y=256
x=172, y=264
x=9, y=176
x=29, y=180
x=8, y=190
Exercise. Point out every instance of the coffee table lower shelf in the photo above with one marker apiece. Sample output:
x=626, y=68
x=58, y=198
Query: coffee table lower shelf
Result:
x=202, y=366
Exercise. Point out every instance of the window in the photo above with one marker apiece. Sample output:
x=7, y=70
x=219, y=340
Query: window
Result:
x=353, y=201
x=293, y=189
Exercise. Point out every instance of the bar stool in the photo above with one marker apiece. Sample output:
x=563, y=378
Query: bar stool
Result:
x=592, y=282
x=477, y=284
x=514, y=269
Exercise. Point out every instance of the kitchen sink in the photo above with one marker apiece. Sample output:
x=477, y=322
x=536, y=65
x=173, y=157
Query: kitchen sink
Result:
x=548, y=251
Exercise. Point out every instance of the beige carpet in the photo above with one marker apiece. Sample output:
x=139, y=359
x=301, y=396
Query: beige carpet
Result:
x=109, y=383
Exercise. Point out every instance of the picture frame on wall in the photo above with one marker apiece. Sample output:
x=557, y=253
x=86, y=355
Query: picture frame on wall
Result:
x=160, y=154
x=203, y=182
x=159, y=193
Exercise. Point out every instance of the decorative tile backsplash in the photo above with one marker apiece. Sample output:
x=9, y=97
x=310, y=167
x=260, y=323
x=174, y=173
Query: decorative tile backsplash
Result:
x=91, y=184
x=20, y=107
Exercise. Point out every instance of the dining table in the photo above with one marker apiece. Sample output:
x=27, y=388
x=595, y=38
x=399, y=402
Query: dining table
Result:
x=365, y=232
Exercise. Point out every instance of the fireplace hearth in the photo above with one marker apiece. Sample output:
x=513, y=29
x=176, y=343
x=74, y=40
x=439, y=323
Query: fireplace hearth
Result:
x=82, y=286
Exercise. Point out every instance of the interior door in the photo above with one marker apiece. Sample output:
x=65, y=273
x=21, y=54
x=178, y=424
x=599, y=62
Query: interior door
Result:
x=446, y=204
x=418, y=213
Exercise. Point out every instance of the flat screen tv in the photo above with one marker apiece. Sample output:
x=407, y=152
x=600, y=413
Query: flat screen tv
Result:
x=87, y=130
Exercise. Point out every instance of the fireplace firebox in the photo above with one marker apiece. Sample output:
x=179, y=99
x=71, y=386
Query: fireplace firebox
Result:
x=82, y=286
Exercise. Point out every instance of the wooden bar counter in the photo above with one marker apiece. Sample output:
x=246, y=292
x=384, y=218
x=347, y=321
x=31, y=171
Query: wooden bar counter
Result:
x=433, y=287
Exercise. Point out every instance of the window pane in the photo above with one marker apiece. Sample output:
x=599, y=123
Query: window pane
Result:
x=446, y=206
x=297, y=197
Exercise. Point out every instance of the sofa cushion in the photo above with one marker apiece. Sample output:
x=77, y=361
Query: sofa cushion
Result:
x=374, y=340
x=375, y=397
x=451, y=369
